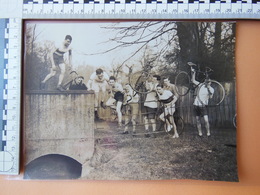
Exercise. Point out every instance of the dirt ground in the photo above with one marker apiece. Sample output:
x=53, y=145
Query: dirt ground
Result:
x=118, y=156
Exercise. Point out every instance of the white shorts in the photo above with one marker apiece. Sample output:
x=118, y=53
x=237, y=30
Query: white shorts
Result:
x=168, y=110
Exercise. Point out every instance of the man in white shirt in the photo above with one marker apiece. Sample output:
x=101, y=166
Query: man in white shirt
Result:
x=200, y=105
x=151, y=104
x=130, y=107
x=98, y=82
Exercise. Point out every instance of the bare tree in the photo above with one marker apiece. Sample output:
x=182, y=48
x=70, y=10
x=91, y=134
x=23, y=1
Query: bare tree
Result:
x=175, y=43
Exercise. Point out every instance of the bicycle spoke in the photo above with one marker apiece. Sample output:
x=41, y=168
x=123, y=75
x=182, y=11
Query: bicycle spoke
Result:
x=179, y=124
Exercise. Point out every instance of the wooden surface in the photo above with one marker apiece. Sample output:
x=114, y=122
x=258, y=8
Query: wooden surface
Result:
x=248, y=95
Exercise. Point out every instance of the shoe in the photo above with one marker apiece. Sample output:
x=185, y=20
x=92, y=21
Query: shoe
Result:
x=200, y=134
x=208, y=134
x=153, y=135
x=60, y=88
x=102, y=104
x=147, y=135
x=175, y=136
x=169, y=128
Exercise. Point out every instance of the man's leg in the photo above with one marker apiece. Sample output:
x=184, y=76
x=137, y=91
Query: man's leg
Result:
x=146, y=126
x=171, y=119
x=111, y=103
x=96, y=105
x=119, y=113
x=103, y=89
x=163, y=117
x=96, y=99
x=206, y=119
x=127, y=120
x=50, y=75
x=153, y=124
x=134, y=114
x=146, y=123
x=62, y=73
x=198, y=125
x=134, y=123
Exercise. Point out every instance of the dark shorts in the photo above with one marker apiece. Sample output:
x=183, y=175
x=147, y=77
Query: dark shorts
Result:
x=200, y=111
x=58, y=59
x=150, y=112
x=119, y=96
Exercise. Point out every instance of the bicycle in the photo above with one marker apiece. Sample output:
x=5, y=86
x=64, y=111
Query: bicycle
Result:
x=137, y=80
x=184, y=85
x=235, y=120
x=178, y=120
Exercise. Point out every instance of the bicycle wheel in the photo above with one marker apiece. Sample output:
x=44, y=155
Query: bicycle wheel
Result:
x=218, y=95
x=179, y=124
x=137, y=81
x=235, y=121
x=182, y=83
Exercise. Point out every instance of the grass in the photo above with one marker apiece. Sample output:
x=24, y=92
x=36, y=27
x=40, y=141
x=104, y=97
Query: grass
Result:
x=118, y=156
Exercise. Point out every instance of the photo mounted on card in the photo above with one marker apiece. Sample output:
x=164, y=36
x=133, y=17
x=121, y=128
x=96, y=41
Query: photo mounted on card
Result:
x=129, y=100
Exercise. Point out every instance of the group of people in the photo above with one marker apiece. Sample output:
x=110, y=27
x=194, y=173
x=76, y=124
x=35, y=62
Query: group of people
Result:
x=124, y=100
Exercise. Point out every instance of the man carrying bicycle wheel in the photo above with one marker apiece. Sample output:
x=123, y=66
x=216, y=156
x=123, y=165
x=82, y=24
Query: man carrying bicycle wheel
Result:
x=200, y=104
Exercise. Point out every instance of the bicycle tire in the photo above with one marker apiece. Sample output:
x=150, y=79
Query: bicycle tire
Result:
x=137, y=81
x=182, y=83
x=235, y=121
x=179, y=124
x=218, y=96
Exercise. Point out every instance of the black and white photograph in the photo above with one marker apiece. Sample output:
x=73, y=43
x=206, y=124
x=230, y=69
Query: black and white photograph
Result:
x=129, y=100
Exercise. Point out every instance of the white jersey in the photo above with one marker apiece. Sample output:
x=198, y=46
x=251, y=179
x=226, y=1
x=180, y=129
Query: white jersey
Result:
x=151, y=99
x=204, y=94
x=169, y=107
x=117, y=87
x=95, y=78
x=165, y=96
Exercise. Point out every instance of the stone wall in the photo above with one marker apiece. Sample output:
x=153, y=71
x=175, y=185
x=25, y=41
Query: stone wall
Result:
x=59, y=123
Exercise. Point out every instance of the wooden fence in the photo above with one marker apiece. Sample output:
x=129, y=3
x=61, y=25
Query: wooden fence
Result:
x=221, y=115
